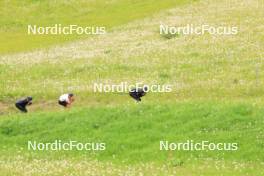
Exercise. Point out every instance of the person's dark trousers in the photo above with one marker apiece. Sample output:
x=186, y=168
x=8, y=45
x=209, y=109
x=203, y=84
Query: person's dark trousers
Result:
x=135, y=96
x=63, y=103
x=21, y=108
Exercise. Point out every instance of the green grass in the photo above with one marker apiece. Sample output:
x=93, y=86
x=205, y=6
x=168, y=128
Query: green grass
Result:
x=132, y=133
x=217, y=86
x=229, y=67
x=16, y=15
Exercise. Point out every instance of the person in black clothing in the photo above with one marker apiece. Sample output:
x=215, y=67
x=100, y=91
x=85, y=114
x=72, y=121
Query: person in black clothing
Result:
x=21, y=104
x=137, y=93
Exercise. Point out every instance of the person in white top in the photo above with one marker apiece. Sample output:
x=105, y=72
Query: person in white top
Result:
x=66, y=100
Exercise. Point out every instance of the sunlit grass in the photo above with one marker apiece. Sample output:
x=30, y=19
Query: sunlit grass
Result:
x=16, y=15
x=132, y=133
x=217, y=92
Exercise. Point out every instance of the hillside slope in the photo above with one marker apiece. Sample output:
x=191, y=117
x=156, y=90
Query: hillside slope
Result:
x=217, y=96
x=132, y=135
x=17, y=15
x=196, y=66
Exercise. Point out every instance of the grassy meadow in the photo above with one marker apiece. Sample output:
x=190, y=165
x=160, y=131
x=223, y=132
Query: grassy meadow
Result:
x=16, y=15
x=217, y=87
